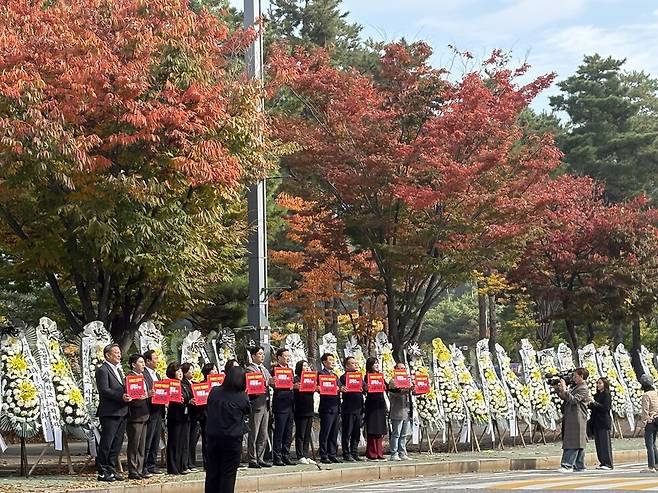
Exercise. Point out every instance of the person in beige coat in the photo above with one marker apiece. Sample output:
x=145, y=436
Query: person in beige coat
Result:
x=574, y=421
x=649, y=414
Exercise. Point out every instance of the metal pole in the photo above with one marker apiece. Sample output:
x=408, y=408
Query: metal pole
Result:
x=257, y=311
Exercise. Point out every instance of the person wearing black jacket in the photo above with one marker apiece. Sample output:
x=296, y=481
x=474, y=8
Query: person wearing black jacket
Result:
x=178, y=426
x=259, y=417
x=601, y=423
x=351, y=411
x=156, y=415
x=283, y=402
x=329, y=414
x=228, y=409
x=208, y=369
x=375, y=417
x=138, y=415
x=112, y=412
x=303, y=416
x=195, y=415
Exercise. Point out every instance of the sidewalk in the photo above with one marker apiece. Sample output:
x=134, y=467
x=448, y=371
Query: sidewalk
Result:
x=629, y=450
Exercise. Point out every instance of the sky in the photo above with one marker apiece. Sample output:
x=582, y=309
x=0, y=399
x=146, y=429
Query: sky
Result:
x=551, y=35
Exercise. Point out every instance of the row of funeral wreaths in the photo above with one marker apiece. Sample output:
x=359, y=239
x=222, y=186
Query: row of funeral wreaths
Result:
x=39, y=390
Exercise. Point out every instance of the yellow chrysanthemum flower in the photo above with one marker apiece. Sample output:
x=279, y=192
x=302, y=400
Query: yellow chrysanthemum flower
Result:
x=76, y=397
x=27, y=391
x=59, y=368
x=17, y=363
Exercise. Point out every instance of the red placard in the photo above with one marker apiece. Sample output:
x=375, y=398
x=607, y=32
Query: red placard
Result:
x=216, y=379
x=328, y=385
x=160, y=392
x=255, y=383
x=175, y=391
x=376, y=383
x=135, y=386
x=353, y=381
x=421, y=384
x=308, y=381
x=283, y=377
x=200, y=391
x=401, y=379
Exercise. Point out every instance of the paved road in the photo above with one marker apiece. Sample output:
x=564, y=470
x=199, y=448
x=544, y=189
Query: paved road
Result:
x=624, y=478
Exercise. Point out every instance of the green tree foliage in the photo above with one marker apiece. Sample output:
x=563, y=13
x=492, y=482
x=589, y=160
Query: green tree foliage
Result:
x=613, y=127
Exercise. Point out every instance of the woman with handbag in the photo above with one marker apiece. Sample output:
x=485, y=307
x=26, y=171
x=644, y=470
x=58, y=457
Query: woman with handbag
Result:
x=600, y=423
x=648, y=418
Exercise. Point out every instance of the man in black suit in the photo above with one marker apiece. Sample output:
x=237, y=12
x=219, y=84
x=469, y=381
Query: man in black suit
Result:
x=350, y=413
x=156, y=415
x=329, y=413
x=284, y=416
x=112, y=412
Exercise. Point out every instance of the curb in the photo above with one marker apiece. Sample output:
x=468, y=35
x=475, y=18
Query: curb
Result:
x=299, y=479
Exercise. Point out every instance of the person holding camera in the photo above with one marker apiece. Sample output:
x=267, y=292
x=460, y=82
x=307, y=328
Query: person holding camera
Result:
x=576, y=398
x=649, y=417
x=600, y=423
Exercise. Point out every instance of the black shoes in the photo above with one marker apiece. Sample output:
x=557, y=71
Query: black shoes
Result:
x=264, y=464
x=357, y=458
x=348, y=459
x=335, y=460
x=278, y=462
x=325, y=460
x=107, y=479
x=287, y=461
x=134, y=476
x=154, y=472
x=118, y=477
x=254, y=465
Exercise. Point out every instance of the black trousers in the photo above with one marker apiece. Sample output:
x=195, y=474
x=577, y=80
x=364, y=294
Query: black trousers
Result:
x=223, y=461
x=204, y=443
x=178, y=442
x=195, y=431
x=153, y=434
x=303, y=426
x=282, y=438
x=113, y=430
x=328, y=435
x=603, y=446
x=350, y=434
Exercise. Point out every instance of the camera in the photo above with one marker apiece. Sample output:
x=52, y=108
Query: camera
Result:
x=554, y=378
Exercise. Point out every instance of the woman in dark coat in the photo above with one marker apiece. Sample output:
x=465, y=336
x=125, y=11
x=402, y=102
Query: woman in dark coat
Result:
x=375, y=417
x=228, y=412
x=178, y=426
x=303, y=416
x=195, y=417
x=601, y=423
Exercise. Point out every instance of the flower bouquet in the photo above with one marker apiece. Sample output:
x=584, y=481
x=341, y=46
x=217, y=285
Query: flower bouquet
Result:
x=500, y=401
x=548, y=365
x=384, y=351
x=18, y=384
x=449, y=392
x=193, y=351
x=564, y=358
x=520, y=393
x=629, y=378
x=646, y=358
x=67, y=398
x=94, y=339
x=473, y=396
x=430, y=414
x=295, y=346
x=149, y=337
x=588, y=360
x=353, y=349
x=544, y=410
x=621, y=403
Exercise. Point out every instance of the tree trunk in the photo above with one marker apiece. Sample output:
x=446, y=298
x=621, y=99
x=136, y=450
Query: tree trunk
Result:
x=394, y=335
x=571, y=333
x=637, y=343
x=482, y=313
x=312, y=343
x=618, y=333
x=493, y=328
x=590, y=333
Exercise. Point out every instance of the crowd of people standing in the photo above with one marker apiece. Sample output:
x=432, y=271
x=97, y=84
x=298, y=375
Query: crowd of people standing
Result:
x=248, y=402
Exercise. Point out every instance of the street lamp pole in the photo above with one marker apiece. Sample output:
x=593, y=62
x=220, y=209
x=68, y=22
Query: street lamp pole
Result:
x=257, y=311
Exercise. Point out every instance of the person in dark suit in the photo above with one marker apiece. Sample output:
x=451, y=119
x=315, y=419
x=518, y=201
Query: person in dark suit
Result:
x=138, y=415
x=601, y=423
x=228, y=409
x=112, y=412
x=303, y=416
x=350, y=414
x=195, y=415
x=283, y=408
x=208, y=369
x=259, y=418
x=375, y=417
x=156, y=415
x=178, y=426
x=329, y=414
